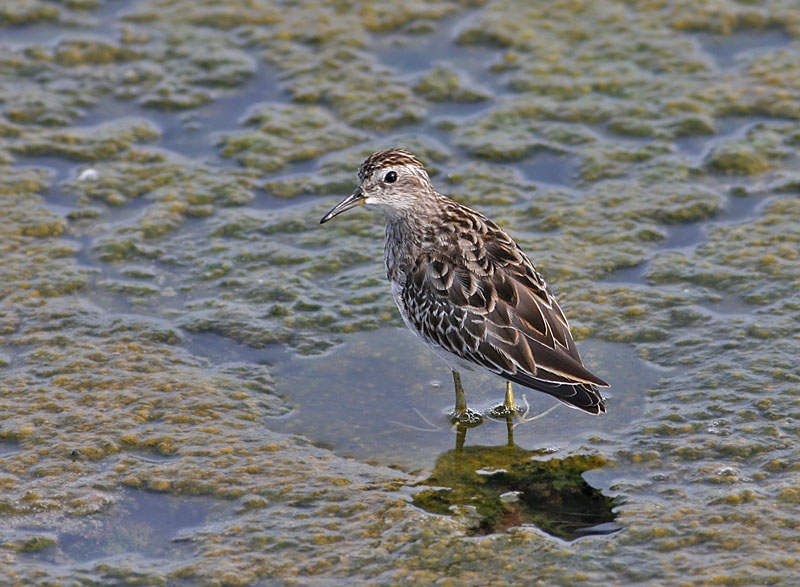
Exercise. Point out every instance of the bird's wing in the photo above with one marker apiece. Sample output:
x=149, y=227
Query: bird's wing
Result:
x=479, y=297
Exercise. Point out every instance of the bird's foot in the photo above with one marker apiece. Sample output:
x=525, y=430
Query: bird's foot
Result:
x=503, y=410
x=466, y=417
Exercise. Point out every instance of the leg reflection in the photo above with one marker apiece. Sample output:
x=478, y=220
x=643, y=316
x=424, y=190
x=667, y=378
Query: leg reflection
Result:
x=461, y=434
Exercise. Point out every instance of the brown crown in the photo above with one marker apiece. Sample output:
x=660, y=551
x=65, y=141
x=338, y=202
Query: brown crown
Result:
x=386, y=158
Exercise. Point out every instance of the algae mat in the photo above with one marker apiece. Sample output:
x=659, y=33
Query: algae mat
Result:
x=198, y=384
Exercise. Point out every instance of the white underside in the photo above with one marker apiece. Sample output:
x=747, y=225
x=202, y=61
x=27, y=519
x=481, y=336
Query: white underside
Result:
x=455, y=362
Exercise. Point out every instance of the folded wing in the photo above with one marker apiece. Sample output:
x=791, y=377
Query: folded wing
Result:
x=481, y=299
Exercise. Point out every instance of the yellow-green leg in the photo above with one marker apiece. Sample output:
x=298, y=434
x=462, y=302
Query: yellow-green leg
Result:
x=461, y=399
x=509, y=403
x=508, y=407
x=461, y=414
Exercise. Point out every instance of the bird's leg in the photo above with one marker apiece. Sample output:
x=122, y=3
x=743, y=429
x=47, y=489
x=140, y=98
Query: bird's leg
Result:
x=461, y=436
x=508, y=407
x=508, y=403
x=461, y=414
x=510, y=430
x=461, y=400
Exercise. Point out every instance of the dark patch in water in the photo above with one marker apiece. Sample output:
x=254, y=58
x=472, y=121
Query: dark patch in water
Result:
x=500, y=487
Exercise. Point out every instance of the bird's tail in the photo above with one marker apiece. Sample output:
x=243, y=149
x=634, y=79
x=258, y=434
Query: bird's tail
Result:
x=583, y=396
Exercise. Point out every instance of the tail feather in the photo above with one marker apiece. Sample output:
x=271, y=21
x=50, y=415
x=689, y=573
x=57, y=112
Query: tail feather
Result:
x=583, y=396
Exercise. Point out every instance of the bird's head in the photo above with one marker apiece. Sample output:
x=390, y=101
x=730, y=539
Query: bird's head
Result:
x=393, y=180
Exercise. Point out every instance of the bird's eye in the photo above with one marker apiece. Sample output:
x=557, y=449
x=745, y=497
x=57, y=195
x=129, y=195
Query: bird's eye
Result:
x=390, y=177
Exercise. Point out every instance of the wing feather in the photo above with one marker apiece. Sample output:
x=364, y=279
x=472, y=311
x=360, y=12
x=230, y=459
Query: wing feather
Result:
x=477, y=295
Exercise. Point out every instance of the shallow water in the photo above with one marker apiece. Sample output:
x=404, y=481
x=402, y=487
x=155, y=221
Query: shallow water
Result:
x=362, y=399
x=140, y=525
x=200, y=384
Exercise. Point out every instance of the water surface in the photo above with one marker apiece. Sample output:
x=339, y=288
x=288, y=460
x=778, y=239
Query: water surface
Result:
x=201, y=384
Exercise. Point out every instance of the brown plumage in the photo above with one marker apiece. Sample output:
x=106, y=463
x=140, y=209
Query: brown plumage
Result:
x=467, y=289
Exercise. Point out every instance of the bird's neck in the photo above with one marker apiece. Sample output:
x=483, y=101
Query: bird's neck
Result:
x=401, y=245
x=407, y=236
x=407, y=232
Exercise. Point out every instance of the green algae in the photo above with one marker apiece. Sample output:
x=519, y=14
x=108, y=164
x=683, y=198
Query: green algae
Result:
x=36, y=544
x=761, y=271
x=284, y=134
x=27, y=12
x=70, y=52
x=495, y=488
x=107, y=141
x=446, y=85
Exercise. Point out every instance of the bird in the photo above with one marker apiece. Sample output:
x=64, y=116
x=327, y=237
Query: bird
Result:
x=468, y=290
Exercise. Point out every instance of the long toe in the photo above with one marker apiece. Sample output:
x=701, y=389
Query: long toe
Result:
x=466, y=417
x=502, y=410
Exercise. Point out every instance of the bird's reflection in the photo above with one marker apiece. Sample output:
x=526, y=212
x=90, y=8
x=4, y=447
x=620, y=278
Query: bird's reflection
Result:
x=498, y=487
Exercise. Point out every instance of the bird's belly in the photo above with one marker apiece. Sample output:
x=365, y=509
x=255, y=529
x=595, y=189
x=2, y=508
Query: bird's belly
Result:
x=397, y=294
x=454, y=361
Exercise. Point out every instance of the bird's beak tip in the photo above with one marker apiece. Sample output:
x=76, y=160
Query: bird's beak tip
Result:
x=355, y=199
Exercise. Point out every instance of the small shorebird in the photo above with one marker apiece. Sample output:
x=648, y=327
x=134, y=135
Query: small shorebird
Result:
x=467, y=289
